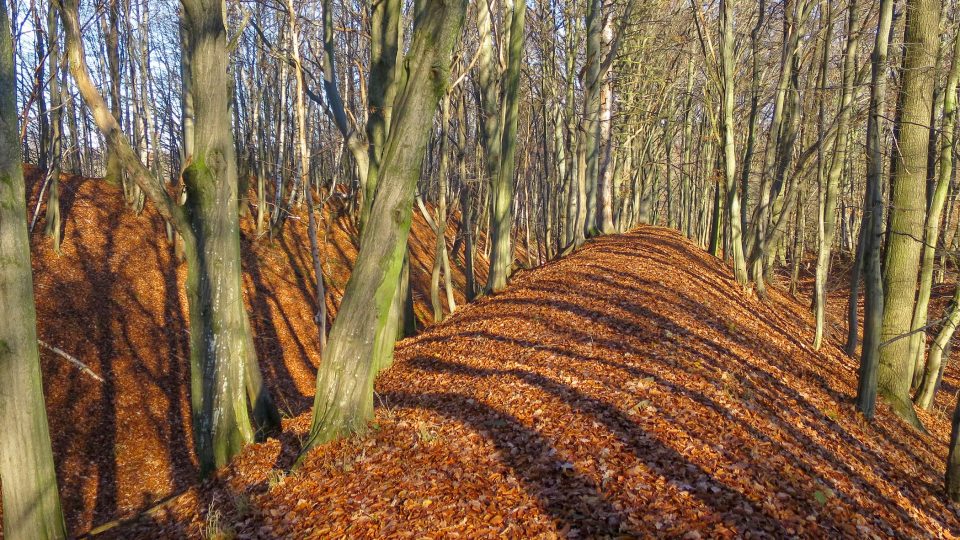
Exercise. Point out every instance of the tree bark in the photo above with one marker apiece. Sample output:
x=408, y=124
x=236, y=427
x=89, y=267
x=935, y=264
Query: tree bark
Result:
x=908, y=205
x=31, y=504
x=344, y=397
x=729, y=152
x=828, y=212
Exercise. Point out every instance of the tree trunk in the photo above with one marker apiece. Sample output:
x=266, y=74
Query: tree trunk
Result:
x=729, y=152
x=931, y=235
x=344, y=396
x=828, y=212
x=908, y=205
x=31, y=504
x=55, y=151
x=502, y=173
x=952, y=480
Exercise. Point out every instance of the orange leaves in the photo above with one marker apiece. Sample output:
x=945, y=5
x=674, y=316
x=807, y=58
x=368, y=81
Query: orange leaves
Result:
x=631, y=390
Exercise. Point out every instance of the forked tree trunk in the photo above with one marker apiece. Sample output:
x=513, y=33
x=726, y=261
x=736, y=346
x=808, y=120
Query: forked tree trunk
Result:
x=225, y=381
x=31, y=504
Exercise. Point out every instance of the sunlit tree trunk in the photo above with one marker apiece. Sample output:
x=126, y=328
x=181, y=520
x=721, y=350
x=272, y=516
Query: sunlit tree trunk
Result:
x=931, y=235
x=31, y=504
x=729, y=152
x=908, y=205
x=500, y=99
x=830, y=192
x=934, y=368
x=344, y=395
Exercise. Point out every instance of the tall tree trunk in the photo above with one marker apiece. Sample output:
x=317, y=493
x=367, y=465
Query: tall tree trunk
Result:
x=931, y=234
x=867, y=383
x=344, y=396
x=729, y=152
x=931, y=376
x=321, y=316
x=605, y=191
x=908, y=205
x=830, y=192
x=31, y=504
x=440, y=245
x=502, y=173
x=222, y=424
x=55, y=151
x=591, y=111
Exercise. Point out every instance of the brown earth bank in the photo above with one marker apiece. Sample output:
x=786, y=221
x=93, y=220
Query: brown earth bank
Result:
x=114, y=300
x=629, y=390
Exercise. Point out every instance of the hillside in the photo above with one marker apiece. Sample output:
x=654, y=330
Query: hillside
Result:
x=113, y=300
x=630, y=389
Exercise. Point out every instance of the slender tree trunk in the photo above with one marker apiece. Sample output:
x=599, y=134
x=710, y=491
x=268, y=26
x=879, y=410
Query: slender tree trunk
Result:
x=55, y=151
x=830, y=193
x=952, y=478
x=729, y=151
x=321, y=316
x=605, y=206
x=440, y=249
x=939, y=351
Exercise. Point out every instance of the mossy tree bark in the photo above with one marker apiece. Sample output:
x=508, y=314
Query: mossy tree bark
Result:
x=344, y=397
x=931, y=234
x=31, y=504
x=908, y=205
x=222, y=425
x=226, y=385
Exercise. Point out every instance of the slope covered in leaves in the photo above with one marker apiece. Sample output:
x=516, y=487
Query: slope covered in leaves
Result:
x=630, y=389
x=113, y=299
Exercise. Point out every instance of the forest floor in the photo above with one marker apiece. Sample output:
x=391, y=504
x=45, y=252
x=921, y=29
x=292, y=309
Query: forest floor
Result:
x=630, y=389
